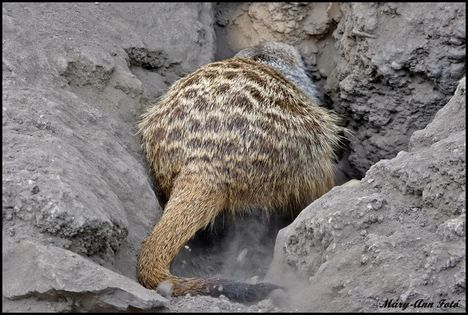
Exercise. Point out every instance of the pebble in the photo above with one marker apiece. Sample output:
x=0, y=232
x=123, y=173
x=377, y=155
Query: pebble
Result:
x=35, y=190
x=254, y=279
x=364, y=259
x=396, y=65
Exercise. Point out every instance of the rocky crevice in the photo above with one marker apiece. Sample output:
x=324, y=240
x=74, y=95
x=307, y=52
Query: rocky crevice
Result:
x=402, y=222
x=78, y=198
x=388, y=68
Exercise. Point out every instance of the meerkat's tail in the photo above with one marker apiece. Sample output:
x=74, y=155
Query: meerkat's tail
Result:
x=192, y=205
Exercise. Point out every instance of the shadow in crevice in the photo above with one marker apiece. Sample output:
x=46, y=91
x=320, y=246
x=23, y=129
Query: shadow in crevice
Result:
x=236, y=247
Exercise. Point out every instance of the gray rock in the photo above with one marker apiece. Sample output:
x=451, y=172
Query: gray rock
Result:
x=439, y=128
x=385, y=84
x=399, y=234
x=45, y=272
x=78, y=200
x=207, y=304
x=391, y=85
x=76, y=77
x=452, y=229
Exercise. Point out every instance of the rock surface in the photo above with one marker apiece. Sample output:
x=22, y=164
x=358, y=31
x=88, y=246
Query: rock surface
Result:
x=207, y=304
x=399, y=234
x=388, y=67
x=392, y=85
x=75, y=78
x=68, y=282
x=78, y=199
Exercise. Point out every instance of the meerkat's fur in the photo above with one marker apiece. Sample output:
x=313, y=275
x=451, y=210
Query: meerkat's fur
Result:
x=236, y=135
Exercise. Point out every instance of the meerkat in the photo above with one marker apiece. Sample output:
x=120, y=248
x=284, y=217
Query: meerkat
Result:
x=241, y=134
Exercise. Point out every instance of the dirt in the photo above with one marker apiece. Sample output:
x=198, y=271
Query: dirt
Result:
x=78, y=198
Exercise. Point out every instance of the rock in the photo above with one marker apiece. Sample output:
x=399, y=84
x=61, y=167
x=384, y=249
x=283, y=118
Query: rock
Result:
x=439, y=129
x=457, y=70
x=398, y=83
x=78, y=198
x=400, y=233
x=242, y=25
x=76, y=78
x=452, y=229
x=51, y=273
x=209, y=304
x=384, y=84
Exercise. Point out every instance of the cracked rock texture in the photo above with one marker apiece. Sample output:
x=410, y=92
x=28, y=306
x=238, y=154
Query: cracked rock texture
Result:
x=77, y=197
x=388, y=67
x=61, y=275
x=397, y=234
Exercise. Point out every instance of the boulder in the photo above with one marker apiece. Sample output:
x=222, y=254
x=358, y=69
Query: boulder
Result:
x=76, y=77
x=34, y=273
x=387, y=67
x=397, y=64
x=397, y=235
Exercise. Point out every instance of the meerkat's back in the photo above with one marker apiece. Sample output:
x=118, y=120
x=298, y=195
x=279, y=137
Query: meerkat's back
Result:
x=240, y=134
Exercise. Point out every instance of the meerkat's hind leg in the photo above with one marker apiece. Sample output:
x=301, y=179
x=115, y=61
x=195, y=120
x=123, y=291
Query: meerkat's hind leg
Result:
x=192, y=205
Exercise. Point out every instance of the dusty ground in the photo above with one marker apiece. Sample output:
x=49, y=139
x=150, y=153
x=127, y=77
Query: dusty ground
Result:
x=77, y=198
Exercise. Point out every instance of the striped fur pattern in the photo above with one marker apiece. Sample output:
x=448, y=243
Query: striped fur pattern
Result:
x=235, y=135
